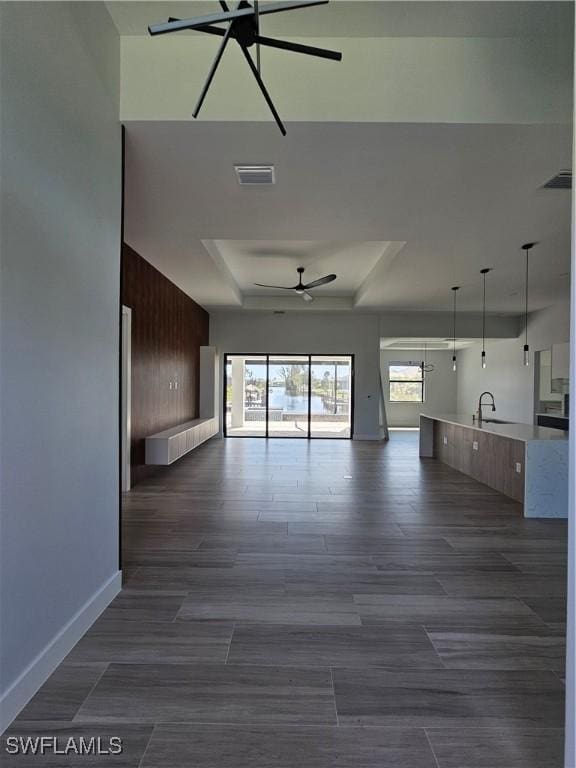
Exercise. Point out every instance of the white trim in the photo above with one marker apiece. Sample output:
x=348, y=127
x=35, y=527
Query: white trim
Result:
x=209, y=383
x=570, y=711
x=126, y=396
x=39, y=670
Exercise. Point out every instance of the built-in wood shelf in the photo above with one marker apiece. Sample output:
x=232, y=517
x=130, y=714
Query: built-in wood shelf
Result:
x=170, y=445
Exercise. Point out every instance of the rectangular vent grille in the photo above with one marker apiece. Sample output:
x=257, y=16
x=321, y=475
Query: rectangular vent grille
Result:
x=255, y=174
x=562, y=180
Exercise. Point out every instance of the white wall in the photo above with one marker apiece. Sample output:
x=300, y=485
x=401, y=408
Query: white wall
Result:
x=60, y=258
x=312, y=333
x=429, y=79
x=439, y=388
x=438, y=325
x=505, y=376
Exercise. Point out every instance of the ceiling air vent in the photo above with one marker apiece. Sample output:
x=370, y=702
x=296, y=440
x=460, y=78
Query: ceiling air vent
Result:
x=562, y=180
x=255, y=174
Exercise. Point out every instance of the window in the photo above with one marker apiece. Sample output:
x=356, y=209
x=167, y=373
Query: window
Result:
x=406, y=382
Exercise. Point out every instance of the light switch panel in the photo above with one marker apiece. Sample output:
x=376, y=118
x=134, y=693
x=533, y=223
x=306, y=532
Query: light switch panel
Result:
x=445, y=440
x=518, y=468
x=475, y=445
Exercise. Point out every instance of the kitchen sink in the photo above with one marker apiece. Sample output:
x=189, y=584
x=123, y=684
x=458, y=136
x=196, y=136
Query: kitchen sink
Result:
x=497, y=421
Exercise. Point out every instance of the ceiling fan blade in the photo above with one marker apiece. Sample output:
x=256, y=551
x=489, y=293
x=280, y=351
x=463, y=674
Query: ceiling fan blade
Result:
x=307, y=296
x=320, y=281
x=212, y=72
x=220, y=31
x=310, y=50
x=282, y=287
x=199, y=21
x=265, y=93
x=278, y=7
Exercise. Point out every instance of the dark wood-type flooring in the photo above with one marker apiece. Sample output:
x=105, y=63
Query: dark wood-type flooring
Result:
x=320, y=604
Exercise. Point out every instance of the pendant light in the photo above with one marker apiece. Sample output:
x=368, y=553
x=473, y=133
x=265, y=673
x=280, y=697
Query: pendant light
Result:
x=454, y=289
x=484, y=272
x=527, y=247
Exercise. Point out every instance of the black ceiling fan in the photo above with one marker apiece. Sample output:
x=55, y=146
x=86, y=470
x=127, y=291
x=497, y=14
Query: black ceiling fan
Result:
x=244, y=27
x=302, y=289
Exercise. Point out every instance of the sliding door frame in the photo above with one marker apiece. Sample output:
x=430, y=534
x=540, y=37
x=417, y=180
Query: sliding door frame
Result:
x=309, y=356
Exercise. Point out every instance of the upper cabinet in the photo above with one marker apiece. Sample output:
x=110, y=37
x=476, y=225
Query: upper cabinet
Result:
x=561, y=361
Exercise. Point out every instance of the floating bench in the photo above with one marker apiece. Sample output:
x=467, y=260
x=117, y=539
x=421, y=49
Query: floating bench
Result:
x=168, y=446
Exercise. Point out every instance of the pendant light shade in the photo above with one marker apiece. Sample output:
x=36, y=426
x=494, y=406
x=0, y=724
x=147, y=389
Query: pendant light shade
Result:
x=454, y=291
x=527, y=247
x=484, y=272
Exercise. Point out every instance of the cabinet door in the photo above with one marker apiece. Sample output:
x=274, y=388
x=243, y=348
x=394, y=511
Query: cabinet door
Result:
x=173, y=449
x=463, y=450
x=440, y=442
x=494, y=464
x=546, y=394
x=561, y=361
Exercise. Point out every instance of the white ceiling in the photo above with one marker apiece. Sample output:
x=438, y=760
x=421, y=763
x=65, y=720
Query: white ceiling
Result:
x=438, y=202
x=356, y=18
x=275, y=262
x=432, y=344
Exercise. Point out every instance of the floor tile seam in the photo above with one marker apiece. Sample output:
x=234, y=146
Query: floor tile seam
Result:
x=92, y=688
x=429, y=740
x=141, y=761
x=230, y=642
x=334, y=696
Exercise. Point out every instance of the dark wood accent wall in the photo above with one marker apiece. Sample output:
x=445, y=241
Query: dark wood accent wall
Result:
x=494, y=463
x=168, y=329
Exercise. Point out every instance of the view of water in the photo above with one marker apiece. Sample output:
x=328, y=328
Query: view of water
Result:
x=295, y=403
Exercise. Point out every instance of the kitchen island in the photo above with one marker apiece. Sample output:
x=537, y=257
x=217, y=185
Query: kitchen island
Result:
x=525, y=462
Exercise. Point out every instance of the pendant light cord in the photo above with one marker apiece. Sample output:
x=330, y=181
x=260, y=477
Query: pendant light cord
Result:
x=484, y=272
x=526, y=300
x=484, y=315
x=454, y=323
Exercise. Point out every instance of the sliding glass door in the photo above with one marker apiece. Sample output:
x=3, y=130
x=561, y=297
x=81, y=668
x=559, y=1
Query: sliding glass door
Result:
x=331, y=384
x=296, y=396
x=288, y=390
x=246, y=395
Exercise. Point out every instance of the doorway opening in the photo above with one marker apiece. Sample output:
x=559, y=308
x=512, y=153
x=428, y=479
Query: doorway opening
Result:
x=296, y=396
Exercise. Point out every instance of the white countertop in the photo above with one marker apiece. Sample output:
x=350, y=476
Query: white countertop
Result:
x=524, y=432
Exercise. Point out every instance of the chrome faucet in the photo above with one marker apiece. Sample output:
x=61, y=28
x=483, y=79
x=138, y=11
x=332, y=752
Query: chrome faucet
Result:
x=480, y=404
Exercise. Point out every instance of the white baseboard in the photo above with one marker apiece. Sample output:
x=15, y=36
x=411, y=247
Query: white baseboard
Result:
x=15, y=698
